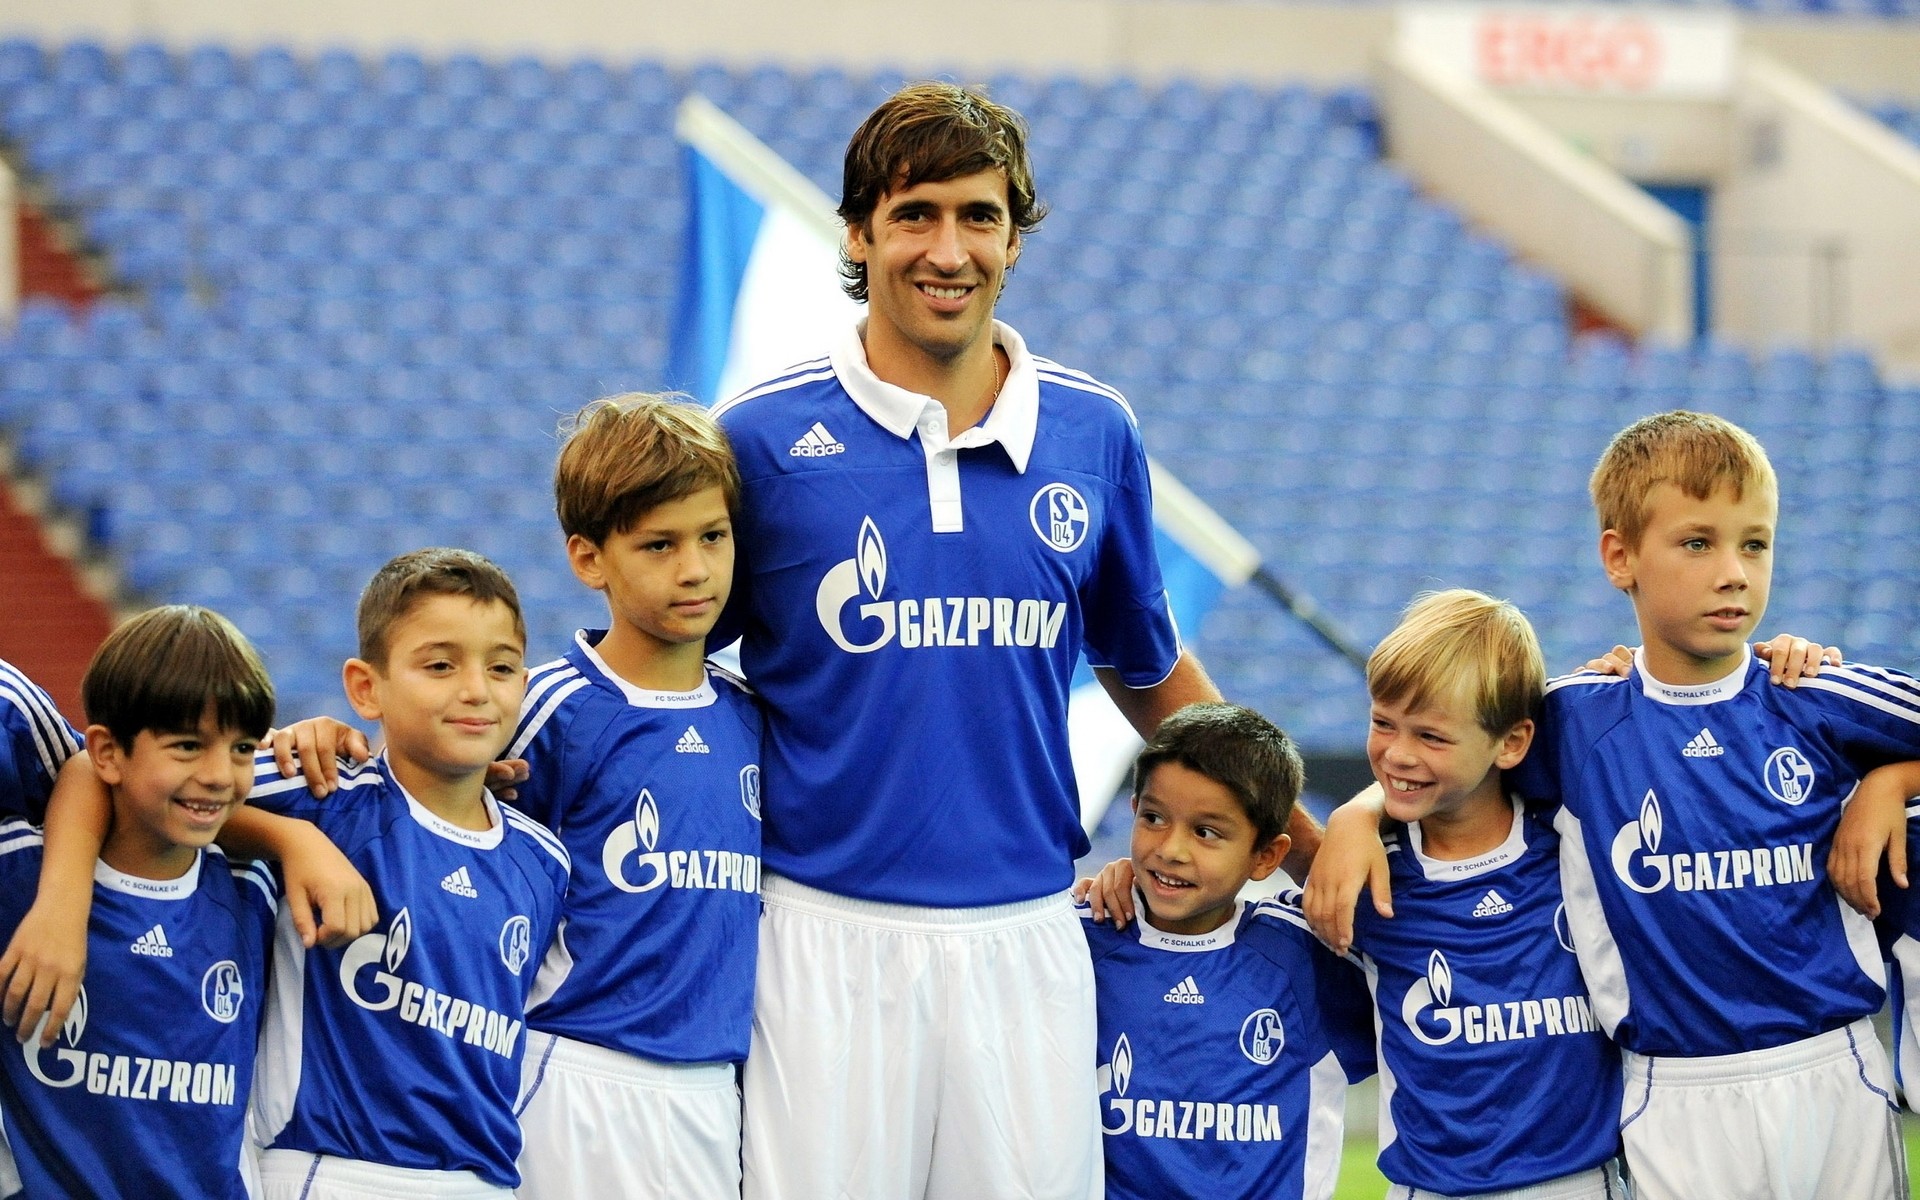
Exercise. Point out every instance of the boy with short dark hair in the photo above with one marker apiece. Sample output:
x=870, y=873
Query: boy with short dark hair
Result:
x=1697, y=806
x=143, y=1091
x=644, y=760
x=389, y=1067
x=1227, y=1035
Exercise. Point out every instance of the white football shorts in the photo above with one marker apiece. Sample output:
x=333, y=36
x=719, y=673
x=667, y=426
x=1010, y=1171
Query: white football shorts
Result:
x=1601, y=1183
x=905, y=1053
x=1811, y=1120
x=607, y=1124
x=297, y=1175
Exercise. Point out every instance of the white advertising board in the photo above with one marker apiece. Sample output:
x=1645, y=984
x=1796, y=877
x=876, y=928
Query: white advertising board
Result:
x=1579, y=49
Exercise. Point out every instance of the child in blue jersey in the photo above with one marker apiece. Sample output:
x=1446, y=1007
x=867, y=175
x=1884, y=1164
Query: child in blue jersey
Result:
x=1227, y=1035
x=644, y=759
x=1697, y=808
x=1495, y=1076
x=389, y=1067
x=143, y=1090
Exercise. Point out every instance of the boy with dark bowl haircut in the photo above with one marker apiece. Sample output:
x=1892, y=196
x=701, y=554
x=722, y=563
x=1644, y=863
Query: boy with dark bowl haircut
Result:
x=143, y=1090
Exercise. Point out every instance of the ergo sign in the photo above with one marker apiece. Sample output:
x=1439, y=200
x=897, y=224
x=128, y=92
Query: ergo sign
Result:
x=1582, y=50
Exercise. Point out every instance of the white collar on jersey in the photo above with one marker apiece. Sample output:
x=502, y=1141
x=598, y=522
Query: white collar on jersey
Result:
x=1185, y=943
x=639, y=697
x=1724, y=688
x=152, y=889
x=1447, y=869
x=479, y=839
x=1011, y=421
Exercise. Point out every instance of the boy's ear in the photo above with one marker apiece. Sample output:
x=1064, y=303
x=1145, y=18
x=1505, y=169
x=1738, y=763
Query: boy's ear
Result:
x=1514, y=746
x=1617, y=559
x=357, y=677
x=109, y=760
x=1267, y=859
x=584, y=557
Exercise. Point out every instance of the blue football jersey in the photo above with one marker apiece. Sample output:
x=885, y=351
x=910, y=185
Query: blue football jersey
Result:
x=144, y=1094
x=657, y=798
x=1494, y=1073
x=1899, y=927
x=1224, y=1057
x=1695, y=824
x=913, y=608
x=403, y=1048
x=35, y=741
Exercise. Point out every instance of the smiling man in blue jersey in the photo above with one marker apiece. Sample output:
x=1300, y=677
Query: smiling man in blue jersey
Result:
x=143, y=1090
x=914, y=596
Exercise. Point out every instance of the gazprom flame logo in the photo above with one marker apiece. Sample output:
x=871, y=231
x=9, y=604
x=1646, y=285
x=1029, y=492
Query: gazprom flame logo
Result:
x=1634, y=857
x=66, y=1047
x=378, y=950
x=1114, y=1078
x=863, y=574
x=634, y=841
x=1429, y=1002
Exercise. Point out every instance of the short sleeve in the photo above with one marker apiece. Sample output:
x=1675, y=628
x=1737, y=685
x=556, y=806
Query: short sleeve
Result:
x=1346, y=1006
x=283, y=797
x=1129, y=620
x=1536, y=778
x=35, y=742
x=541, y=741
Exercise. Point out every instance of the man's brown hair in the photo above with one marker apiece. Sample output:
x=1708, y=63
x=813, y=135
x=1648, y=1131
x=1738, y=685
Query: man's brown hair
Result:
x=163, y=670
x=1695, y=452
x=930, y=133
x=627, y=455
x=400, y=586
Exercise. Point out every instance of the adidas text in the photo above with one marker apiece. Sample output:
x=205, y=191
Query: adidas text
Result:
x=691, y=743
x=1703, y=745
x=1493, y=904
x=460, y=884
x=1185, y=992
x=153, y=944
x=816, y=443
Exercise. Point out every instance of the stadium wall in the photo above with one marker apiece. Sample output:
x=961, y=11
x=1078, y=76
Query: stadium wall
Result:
x=1149, y=39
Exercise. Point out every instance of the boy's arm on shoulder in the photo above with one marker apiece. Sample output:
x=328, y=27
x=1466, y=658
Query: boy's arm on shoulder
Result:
x=47, y=956
x=328, y=900
x=1352, y=859
x=1875, y=822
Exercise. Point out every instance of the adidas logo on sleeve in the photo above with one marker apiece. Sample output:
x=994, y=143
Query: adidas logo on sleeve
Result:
x=153, y=944
x=691, y=743
x=460, y=884
x=1493, y=904
x=1703, y=746
x=1185, y=992
x=816, y=443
